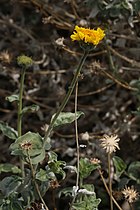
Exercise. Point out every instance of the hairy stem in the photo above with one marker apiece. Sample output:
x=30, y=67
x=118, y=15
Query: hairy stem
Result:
x=67, y=96
x=35, y=183
x=76, y=135
x=77, y=145
x=19, y=121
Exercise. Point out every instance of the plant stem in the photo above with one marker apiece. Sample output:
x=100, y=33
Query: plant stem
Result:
x=110, y=181
x=77, y=145
x=67, y=96
x=19, y=121
x=76, y=135
x=36, y=185
x=108, y=191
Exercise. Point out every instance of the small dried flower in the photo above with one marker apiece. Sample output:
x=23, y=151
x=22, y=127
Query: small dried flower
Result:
x=26, y=145
x=95, y=161
x=24, y=61
x=5, y=56
x=110, y=143
x=130, y=194
x=89, y=36
x=118, y=195
x=54, y=184
x=85, y=136
x=60, y=42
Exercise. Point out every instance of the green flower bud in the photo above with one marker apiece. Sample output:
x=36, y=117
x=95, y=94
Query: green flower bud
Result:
x=24, y=61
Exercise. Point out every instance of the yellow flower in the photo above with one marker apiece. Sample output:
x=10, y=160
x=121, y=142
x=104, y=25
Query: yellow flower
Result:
x=130, y=194
x=110, y=143
x=87, y=35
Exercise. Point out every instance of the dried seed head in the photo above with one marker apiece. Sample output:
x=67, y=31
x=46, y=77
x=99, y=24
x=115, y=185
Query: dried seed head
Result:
x=110, y=143
x=130, y=194
x=5, y=57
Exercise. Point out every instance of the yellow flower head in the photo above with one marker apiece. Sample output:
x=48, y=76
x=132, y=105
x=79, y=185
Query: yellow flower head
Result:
x=87, y=35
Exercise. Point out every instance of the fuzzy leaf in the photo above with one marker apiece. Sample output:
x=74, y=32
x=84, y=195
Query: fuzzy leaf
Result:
x=8, y=131
x=86, y=167
x=134, y=171
x=120, y=165
x=9, y=184
x=32, y=108
x=30, y=144
x=7, y=167
x=42, y=175
x=12, y=98
x=66, y=118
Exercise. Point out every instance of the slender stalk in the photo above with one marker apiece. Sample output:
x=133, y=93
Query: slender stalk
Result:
x=108, y=191
x=67, y=96
x=19, y=121
x=77, y=145
x=110, y=181
x=76, y=135
x=36, y=185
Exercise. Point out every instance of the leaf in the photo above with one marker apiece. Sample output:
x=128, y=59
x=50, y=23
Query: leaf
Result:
x=42, y=175
x=134, y=171
x=86, y=167
x=65, y=191
x=30, y=144
x=87, y=202
x=9, y=184
x=8, y=131
x=14, y=97
x=120, y=165
x=32, y=108
x=56, y=166
x=7, y=167
x=66, y=118
x=38, y=158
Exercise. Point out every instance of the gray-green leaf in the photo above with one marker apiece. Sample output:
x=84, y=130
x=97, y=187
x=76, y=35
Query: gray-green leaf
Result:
x=7, y=167
x=66, y=118
x=32, y=108
x=120, y=165
x=134, y=171
x=8, y=131
x=14, y=97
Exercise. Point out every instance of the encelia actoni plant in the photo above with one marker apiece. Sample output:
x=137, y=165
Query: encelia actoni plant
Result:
x=29, y=183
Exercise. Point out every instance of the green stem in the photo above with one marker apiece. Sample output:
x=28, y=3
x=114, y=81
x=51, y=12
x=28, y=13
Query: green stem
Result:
x=35, y=183
x=76, y=135
x=77, y=147
x=110, y=181
x=67, y=96
x=19, y=121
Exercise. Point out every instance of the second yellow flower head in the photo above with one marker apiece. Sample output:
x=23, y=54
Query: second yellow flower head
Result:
x=87, y=35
